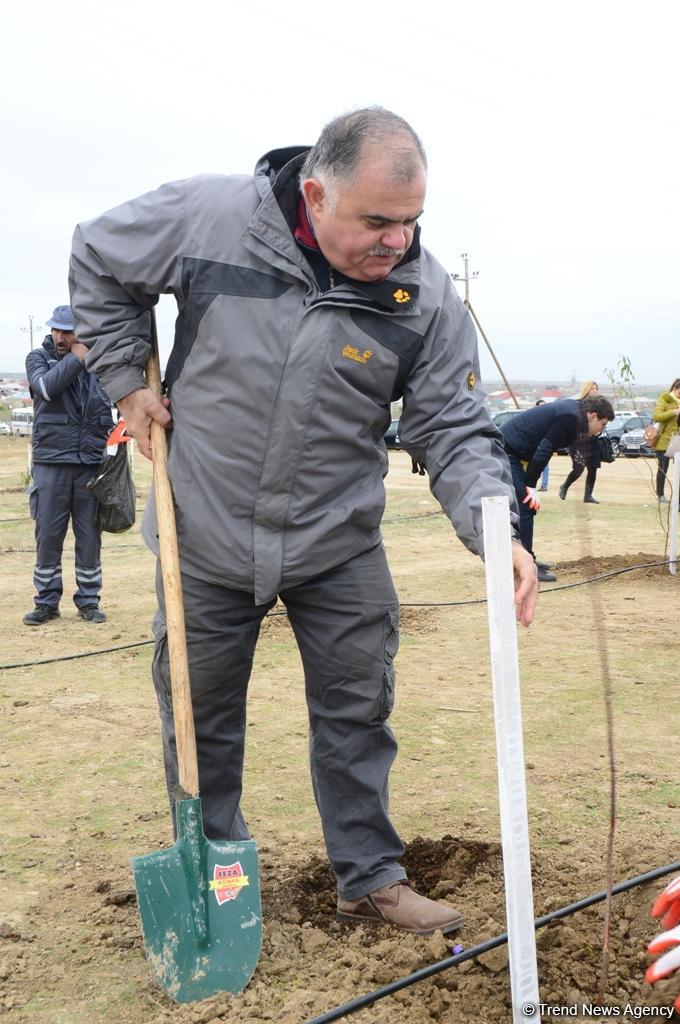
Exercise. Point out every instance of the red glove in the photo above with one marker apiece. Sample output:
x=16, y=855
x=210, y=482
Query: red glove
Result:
x=667, y=907
x=532, y=499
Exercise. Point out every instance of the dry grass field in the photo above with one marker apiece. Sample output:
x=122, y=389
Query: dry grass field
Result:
x=82, y=791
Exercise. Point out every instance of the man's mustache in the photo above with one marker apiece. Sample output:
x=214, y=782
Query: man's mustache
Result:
x=382, y=250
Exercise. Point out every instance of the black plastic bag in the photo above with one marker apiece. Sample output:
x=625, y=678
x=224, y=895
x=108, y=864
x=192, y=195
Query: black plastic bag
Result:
x=606, y=448
x=115, y=492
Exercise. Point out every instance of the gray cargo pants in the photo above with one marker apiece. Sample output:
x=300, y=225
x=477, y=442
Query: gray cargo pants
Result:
x=346, y=623
x=59, y=494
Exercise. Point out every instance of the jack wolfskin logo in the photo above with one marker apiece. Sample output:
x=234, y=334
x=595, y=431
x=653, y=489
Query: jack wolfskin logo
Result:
x=401, y=295
x=471, y=381
x=350, y=352
x=227, y=881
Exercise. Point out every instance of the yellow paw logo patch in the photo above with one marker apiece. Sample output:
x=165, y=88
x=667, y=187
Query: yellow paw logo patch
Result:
x=401, y=295
x=350, y=352
x=471, y=381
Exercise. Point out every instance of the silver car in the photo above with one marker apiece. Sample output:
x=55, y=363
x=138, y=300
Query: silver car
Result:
x=633, y=444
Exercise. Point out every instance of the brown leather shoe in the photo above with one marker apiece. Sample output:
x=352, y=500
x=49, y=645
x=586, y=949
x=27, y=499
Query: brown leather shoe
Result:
x=400, y=905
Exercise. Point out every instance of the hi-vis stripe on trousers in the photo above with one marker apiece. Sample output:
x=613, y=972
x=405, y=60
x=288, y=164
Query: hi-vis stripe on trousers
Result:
x=58, y=494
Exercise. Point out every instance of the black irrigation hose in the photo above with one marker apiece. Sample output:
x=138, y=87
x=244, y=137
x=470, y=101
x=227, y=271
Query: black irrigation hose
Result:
x=551, y=590
x=72, y=657
x=394, y=519
x=484, y=947
x=421, y=604
x=93, y=654
x=419, y=515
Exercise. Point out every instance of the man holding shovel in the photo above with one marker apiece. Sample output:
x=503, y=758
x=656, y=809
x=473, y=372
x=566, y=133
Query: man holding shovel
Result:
x=306, y=305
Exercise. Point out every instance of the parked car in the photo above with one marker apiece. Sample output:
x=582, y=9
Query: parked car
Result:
x=391, y=435
x=632, y=444
x=500, y=418
x=625, y=422
x=4, y=427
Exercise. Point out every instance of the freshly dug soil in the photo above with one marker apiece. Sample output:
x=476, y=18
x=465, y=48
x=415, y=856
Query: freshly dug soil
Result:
x=311, y=964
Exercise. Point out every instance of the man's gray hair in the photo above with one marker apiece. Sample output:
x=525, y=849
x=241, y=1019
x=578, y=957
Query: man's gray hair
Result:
x=336, y=156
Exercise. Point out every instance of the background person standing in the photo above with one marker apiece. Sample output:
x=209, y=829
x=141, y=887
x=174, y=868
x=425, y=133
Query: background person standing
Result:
x=71, y=421
x=666, y=413
x=585, y=454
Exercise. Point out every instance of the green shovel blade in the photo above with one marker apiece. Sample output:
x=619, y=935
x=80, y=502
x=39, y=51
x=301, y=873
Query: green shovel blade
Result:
x=199, y=903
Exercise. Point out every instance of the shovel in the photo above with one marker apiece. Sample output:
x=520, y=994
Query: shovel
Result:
x=199, y=901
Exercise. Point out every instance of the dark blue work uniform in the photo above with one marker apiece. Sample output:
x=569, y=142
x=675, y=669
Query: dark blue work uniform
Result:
x=71, y=421
x=530, y=440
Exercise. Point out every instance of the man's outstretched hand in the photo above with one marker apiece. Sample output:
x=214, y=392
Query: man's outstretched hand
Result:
x=526, y=583
x=532, y=499
x=138, y=409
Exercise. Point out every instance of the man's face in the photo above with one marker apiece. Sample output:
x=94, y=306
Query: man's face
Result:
x=596, y=425
x=62, y=340
x=370, y=227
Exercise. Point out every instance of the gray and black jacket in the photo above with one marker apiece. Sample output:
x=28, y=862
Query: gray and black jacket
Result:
x=280, y=392
x=71, y=412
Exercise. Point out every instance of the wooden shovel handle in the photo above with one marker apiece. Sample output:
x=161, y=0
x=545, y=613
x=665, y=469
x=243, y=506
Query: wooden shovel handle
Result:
x=172, y=587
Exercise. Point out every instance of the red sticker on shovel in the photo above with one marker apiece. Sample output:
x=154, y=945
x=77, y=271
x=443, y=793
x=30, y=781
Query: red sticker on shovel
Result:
x=227, y=881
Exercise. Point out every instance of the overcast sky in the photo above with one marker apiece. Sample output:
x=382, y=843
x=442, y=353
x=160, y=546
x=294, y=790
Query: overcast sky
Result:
x=551, y=130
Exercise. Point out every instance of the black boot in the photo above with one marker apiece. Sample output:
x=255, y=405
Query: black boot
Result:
x=570, y=478
x=41, y=614
x=588, y=497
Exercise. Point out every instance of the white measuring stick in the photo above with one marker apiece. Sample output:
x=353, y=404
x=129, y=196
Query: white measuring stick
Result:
x=519, y=903
x=673, y=525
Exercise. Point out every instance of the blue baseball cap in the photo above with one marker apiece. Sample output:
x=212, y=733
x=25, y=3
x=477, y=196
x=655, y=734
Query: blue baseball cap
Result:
x=62, y=319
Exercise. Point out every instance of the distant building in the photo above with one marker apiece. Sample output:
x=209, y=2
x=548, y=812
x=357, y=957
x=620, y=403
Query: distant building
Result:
x=551, y=393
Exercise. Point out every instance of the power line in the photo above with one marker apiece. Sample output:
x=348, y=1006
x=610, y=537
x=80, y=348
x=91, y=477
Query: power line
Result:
x=124, y=110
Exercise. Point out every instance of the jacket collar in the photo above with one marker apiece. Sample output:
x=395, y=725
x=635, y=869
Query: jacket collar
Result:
x=51, y=348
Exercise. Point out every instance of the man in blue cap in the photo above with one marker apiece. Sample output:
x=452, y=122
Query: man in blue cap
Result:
x=71, y=421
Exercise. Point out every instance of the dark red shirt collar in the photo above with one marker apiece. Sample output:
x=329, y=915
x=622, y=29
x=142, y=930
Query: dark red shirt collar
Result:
x=304, y=232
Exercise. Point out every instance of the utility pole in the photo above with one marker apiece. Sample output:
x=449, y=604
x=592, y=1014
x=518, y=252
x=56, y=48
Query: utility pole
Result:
x=466, y=278
x=30, y=328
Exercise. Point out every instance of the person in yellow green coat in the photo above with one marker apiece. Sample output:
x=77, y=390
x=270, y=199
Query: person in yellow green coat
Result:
x=666, y=413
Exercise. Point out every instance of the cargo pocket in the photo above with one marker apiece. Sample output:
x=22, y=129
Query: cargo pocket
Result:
x=390, y=648
x=160, y=665
x=32, y=492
